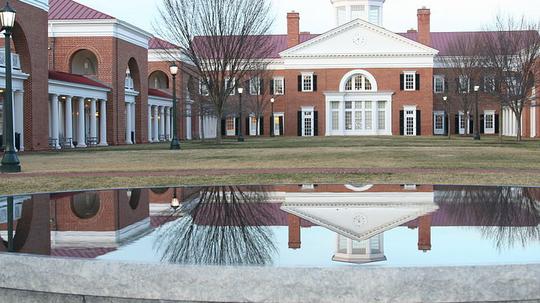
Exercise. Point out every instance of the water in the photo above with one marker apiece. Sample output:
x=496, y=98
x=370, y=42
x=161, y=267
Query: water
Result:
x=285, y=226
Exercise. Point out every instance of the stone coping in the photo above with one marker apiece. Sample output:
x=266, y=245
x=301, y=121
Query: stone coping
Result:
x=165, y=282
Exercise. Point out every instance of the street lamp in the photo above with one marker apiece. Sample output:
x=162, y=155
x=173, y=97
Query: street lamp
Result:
x=10, y=161
x=175, y=144
x=476, y=115
x=175, y=203
x=272, y=123
x=240, y=135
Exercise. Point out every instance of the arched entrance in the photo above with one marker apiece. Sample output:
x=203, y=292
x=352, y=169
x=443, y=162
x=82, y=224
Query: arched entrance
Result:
x=132, y=88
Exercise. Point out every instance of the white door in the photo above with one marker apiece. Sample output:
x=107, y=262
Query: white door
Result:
x=410, y=122
x=439, y=122
x=277, y=128
x=489, y=122
x=253, y=126
x=463, y=124
x=307, y=124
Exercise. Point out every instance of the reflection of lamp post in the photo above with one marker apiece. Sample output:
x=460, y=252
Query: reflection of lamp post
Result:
x=175, y=203
x=10, y=223
x=240, y=136
x=175, y=144
x=10, y=161
x=476, y=115
x=272, y=132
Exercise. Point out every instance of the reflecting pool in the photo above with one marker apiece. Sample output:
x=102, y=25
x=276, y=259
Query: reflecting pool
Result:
x=298, y=225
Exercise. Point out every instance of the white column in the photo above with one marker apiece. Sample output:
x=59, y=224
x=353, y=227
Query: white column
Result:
x=150, y=134
x=161, y=122
x=93, y=119
x=168, y=123
x=103, y=123
x=61, y=119
x=69, y=120
x=128, y=123
x=155, y=127
x=19, y=116
x=81, y=137
x=54, y=119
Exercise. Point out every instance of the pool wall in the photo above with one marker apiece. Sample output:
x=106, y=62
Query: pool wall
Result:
x=26, y=278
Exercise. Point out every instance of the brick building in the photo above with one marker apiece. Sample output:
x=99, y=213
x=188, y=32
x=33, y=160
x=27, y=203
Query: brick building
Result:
x=107, y=82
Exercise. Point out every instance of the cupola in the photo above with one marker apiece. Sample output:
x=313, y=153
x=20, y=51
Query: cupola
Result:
x=368, y=10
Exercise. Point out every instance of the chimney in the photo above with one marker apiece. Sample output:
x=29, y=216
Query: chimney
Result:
x=293, y=29
x=294, y=232
x=424, y=26
x=424, y=233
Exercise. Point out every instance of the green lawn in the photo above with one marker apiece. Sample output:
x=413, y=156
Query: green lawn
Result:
x=449, y=161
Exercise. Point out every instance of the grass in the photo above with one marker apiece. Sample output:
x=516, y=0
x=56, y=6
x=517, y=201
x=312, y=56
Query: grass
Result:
x=453, y=161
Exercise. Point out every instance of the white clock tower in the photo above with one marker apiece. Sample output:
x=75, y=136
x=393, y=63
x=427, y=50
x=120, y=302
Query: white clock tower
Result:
x=368, y=10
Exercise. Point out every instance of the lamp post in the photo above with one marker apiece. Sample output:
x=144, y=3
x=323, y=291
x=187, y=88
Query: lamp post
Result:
x=10, y=161
x=175, y=203
x=240, y=135
x=476, y=114
x=175, y=144
x=447, y=120
x=272, y=123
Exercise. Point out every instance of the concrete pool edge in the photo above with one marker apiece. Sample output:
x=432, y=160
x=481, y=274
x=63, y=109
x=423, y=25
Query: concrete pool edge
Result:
x=58, y=276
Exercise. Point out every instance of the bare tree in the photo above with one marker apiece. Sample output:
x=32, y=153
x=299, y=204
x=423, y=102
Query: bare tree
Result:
x=201, y=105
x=261, y=90
x=223, y=39
x=511, y=51
x=463, y=72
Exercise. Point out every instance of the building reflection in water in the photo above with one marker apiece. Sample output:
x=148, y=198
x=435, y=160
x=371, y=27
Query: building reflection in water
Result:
x=225, y=225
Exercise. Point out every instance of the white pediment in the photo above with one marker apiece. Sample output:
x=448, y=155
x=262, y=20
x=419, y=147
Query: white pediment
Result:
x=368, y=216
x=359, y=38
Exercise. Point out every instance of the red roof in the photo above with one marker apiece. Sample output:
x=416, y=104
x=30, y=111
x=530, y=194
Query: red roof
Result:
x=280, y=43
x=71, y=10
x=157, y=43
x=72, y=78
x=159, y=93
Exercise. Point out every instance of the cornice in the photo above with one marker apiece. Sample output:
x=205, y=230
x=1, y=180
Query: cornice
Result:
x=42, y=4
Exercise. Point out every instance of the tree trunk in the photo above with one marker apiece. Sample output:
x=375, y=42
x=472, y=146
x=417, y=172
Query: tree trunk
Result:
x=501, y=126
x=201, y=130
x=518, y=122
x=449, y=126
x=219, y=140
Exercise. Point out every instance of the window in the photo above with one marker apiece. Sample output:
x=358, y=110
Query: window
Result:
x=489, y=84
x=203, y=88
x=438, y=83
x=307, y=82
x=356, y=11
x=410, y=121
x=368, y=115
x=232, y=83
x=230, y=126
x=255, y=86
x=489, y=122
x=358, y=83
x=381, y=115
x=341, y=15
x=464, y=84
x=308, y=123
x=348, y=115
x=462, y=124
x=334, y=106
x=253, y=126
x=358, y=107
x=374, y=14
x=279, y=86
x=410, y=81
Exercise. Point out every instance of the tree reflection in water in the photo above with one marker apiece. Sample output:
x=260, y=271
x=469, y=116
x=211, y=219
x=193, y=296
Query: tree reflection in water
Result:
x=222, y=227
x=509, y=216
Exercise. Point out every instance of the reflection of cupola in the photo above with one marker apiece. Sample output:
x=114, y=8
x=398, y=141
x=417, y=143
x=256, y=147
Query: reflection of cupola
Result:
x=352, y=251
x=368, y=10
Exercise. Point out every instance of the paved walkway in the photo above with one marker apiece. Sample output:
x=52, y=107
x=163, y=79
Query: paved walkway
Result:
x=263, y=171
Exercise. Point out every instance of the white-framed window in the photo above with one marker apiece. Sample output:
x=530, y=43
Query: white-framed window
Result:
x=409, y=120
x=279, y=86
x=489, y=122
x=334, y=106
x=489, y=83
x=357, y=11
x=253, y=125
x=232, y=84
x=410, y=81
x=381, y=115
x=439, y=122
x=358, y=83
x=278, y=124
x=255, y=86
x=307, y=123
x=438, y=84
x=230, y=126
x=464, y=84
x=307, y=82
x=463, y=122
x=203, y=89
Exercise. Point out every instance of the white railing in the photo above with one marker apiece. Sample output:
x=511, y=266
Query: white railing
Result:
x=129, y=83
x=15, y=60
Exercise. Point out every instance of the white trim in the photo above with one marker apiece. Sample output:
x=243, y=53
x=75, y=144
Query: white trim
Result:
x=159, y=101
x=100, y=28
x=439, y=77
x=165, y=55
x=277, y=79
x=77, y=90
x=365, y=73
x=18, y=79
x=489, y=131
x=436, y=131
x=409, y=73
x=408, y=108
x=42, y=4
x=305, y=75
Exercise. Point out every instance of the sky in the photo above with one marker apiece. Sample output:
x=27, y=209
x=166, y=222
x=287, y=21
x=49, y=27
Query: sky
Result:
x=317, y=15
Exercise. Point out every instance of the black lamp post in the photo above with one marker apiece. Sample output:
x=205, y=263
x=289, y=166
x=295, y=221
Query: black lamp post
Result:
x=476, y=115
x=272, y=123
x=175, y=144
x=10, y=161
x=240, y=134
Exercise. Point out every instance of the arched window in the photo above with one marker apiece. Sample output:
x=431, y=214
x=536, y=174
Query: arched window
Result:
x=84, y=62
x=158, y=80
x=85, y=205
x=358, y=83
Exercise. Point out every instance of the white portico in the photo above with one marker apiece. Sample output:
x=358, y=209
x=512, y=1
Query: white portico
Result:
x=77, y=111
x=18, y=99
x=159, y=116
